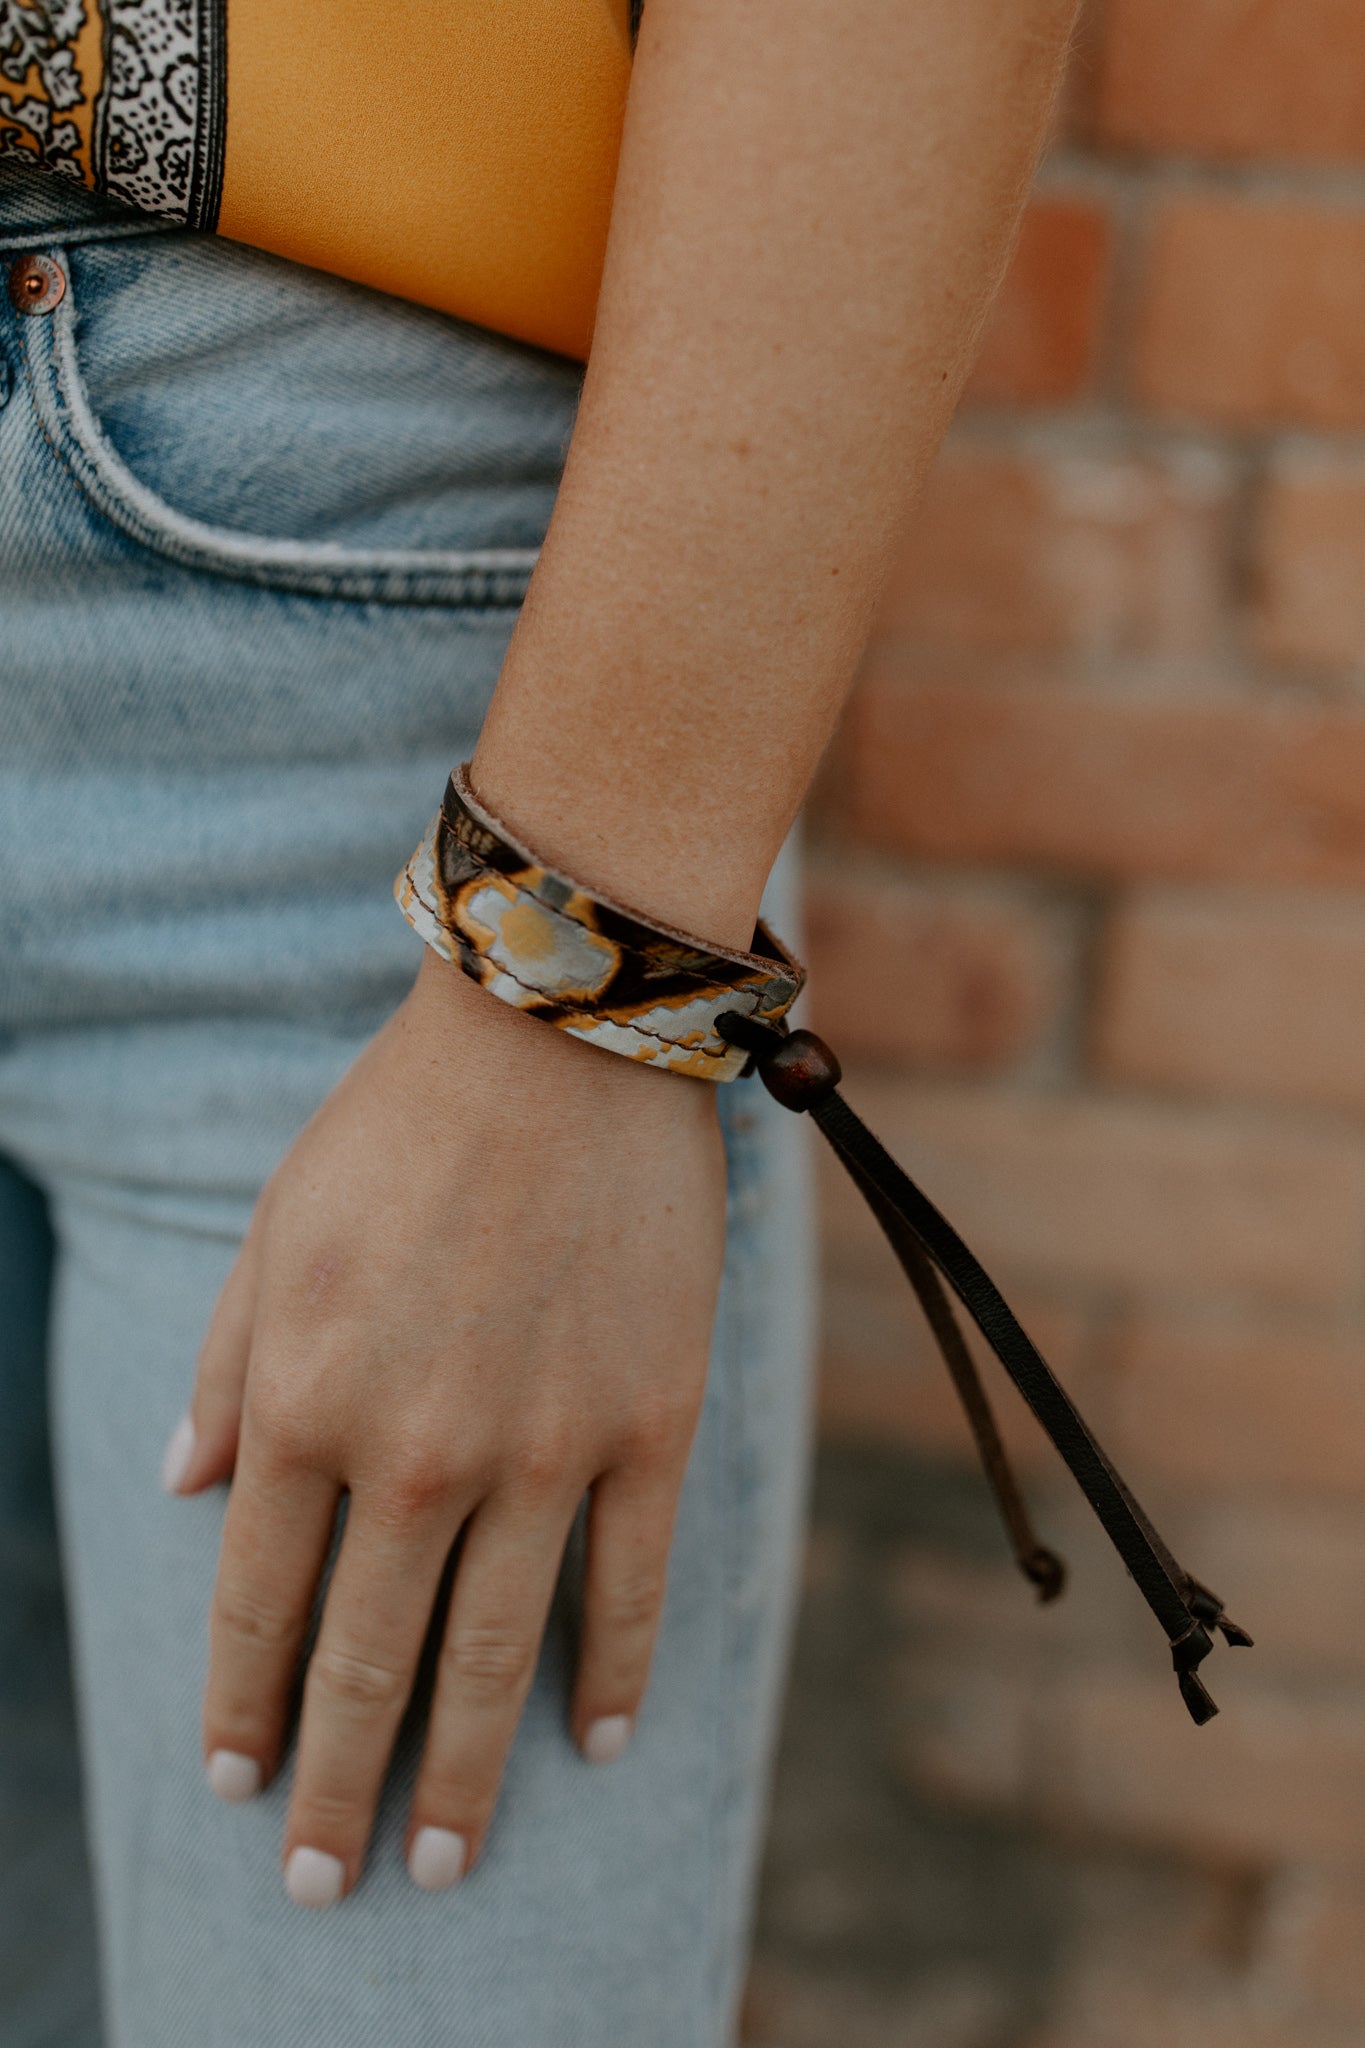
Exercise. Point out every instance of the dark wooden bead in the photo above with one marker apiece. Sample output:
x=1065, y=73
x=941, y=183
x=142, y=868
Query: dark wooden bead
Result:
x=801, y=1071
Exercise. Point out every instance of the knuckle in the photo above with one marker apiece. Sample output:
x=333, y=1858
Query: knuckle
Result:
x=423, y=1464
x=336, y=1811
x=416, y=1483
x=284, y=1421
x=544, y=1460
x=656, y=1432
x=328, y=1818
x=489, y=1663
x=247, y=1618
x=646, y=1440
x=632, y=1605
x=347, y=1678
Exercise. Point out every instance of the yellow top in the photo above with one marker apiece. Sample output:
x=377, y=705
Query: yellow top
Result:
x=461, y=154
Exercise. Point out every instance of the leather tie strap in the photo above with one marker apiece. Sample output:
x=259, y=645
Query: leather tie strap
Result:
x=802, y=1073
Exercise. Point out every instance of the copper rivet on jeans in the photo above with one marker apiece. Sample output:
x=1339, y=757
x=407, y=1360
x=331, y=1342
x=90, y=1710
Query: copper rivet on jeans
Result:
x=36, y=283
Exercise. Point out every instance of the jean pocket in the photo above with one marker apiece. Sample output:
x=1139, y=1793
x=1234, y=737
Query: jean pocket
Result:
x=250, y=419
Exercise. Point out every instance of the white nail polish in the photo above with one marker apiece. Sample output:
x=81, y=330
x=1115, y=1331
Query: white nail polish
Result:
x=175, y=1462
x=313, y=1878
x=607, y=1738
x=232, y=1776
x=436, y=1859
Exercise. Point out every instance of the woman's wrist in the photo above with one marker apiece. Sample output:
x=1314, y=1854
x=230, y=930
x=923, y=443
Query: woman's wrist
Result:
x=642, y=847
x=469, y=1035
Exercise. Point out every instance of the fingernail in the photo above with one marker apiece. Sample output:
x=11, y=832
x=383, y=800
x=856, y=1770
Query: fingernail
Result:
x=232, y=1776
x=175, y=1462
x=606, y=1738
x=436, y=1858
x=313, y=1878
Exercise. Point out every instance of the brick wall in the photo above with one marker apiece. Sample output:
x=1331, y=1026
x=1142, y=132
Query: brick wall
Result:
x=1098, y=808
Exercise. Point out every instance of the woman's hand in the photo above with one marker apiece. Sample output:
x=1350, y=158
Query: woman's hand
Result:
x=481, y=1281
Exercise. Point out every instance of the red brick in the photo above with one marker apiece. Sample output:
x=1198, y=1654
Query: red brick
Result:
x=817, y=2006
x=1233, y=78
x=1236, y=995
x=945, y=1598
x=946, y=1593
x=1274, y=1777
x=1057, y=551
x=976, y=1734
x=961, y=1613
x=1041, y=342
x=1255, y=313
x=883, y=1382
x=1095, y=785
x=1231, y=1402
x=1061, y=1191
x=1155, y=2007
x=1315, y=1940
x=1311, y=564
x=1131, y=1911
x=1107, y=1755
x=1294, y=1575
x=936, y=974
x=1113, y=1753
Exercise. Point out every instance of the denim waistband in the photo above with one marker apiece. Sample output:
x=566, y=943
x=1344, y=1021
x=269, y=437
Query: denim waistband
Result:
x=40, y=206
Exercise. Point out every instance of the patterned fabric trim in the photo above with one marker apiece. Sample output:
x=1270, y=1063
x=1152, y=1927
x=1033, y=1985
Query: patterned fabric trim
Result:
x=537, y=940
x=42, y=87
x=128, y=96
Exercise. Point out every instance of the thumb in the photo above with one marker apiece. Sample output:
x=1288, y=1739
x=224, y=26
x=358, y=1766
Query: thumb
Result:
x=203, y=1444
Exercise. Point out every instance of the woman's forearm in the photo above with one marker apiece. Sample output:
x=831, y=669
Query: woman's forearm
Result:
x=813, y=211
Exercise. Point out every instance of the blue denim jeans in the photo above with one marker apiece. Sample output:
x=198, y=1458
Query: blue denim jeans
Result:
x=262, y=540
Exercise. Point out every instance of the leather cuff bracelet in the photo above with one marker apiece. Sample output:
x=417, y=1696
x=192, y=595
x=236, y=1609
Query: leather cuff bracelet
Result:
x=541, y=942
x=571, y=957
